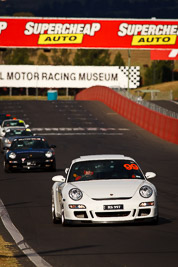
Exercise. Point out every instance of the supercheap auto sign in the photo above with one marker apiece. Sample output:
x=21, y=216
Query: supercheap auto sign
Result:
x=88, y=33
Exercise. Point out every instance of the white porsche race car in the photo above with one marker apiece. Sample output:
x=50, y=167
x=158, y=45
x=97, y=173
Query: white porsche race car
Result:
x=104, y=189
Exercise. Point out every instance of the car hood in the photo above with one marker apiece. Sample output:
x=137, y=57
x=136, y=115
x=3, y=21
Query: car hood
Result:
x=23, y=151
x=13, y=127
x=10, y=138
x=110, y=188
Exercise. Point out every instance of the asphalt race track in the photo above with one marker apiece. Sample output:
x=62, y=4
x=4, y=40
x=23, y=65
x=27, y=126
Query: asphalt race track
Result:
x=81, y=128
x=169, y=105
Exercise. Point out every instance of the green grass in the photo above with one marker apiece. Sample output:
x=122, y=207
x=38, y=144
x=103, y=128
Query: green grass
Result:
x=7, y=252
x=2, y=98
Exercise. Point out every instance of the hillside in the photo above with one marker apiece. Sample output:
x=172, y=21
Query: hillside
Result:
x=167, y=90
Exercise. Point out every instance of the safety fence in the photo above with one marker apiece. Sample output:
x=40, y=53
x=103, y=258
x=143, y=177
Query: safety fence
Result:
x=159, y=124
x=147, y=104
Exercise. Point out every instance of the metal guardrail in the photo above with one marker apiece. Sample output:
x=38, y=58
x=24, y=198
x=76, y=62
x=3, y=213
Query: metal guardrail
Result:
x=147, y=104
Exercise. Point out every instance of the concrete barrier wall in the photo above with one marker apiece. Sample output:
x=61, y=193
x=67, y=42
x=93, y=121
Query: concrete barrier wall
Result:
x=163, y=126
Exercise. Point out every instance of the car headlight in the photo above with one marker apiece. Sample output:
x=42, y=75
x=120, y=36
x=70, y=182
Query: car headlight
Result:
x=146, y=191
x=12, y=155
x=49, y=154
x=6, y=141
x=75, y=194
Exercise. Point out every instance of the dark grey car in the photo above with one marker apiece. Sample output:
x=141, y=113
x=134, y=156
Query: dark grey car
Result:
x=11, y=134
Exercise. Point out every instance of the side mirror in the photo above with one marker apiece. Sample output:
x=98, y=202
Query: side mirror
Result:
x=149, y=175
x=66, y=170
x=59, y=178
x=53, y=146
x=27, y=126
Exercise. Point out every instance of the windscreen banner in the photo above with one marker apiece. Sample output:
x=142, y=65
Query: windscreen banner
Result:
x=88, y=33
x=69, y=76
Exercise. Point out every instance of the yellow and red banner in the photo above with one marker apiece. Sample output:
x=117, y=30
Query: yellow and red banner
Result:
x=88, y=33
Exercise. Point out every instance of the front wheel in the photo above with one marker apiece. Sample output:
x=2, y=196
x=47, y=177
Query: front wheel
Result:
x=63, y=220
x=6, y=166
x=53, y=167
x=55, y=220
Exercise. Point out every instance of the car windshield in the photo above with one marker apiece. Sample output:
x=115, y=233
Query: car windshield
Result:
x=104, y=170
x=14, y=123
x=29, y=143
x=18, y=132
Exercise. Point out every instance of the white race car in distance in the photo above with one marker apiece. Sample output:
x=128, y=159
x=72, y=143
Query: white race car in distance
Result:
x=104, y=189
x=13, y=124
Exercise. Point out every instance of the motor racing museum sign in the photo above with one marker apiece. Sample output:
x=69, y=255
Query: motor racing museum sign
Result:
x=68, y=76
x=88, y=33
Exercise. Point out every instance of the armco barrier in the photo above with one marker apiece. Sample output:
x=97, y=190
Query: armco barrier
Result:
x=163, y=126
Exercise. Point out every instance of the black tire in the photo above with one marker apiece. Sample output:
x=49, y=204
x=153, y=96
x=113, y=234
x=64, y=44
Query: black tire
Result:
x=55, y=220
x=53, y=167
x=6, y=167
x=63, y=220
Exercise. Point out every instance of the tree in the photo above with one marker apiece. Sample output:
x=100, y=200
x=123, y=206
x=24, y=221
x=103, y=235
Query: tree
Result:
x=61, y=58
x=42, y=59
x=18, y=56
x=118, y=60
x=65, y=55
x=158, y=72
x=92, y=57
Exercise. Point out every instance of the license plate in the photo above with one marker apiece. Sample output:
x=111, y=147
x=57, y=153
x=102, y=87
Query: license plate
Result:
x=31, y=163
x=113, y=207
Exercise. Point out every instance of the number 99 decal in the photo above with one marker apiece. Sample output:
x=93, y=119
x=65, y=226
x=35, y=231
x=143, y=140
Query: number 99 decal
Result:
x=131, y=166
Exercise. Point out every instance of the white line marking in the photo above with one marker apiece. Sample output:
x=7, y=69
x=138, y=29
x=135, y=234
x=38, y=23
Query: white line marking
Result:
x=19, y=240
x=175, y=102
x=72, y=134
x=80, y=129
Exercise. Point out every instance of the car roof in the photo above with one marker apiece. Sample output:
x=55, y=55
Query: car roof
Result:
x=13, y=120
x=102, y=157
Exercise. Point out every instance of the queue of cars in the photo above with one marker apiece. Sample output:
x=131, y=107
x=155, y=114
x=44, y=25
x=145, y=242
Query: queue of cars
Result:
x=22, y=149
x=96, y=189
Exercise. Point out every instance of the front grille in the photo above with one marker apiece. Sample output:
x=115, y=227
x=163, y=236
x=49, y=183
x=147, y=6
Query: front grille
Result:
x=112, y=198
x=113, y=214
x=30, y=156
